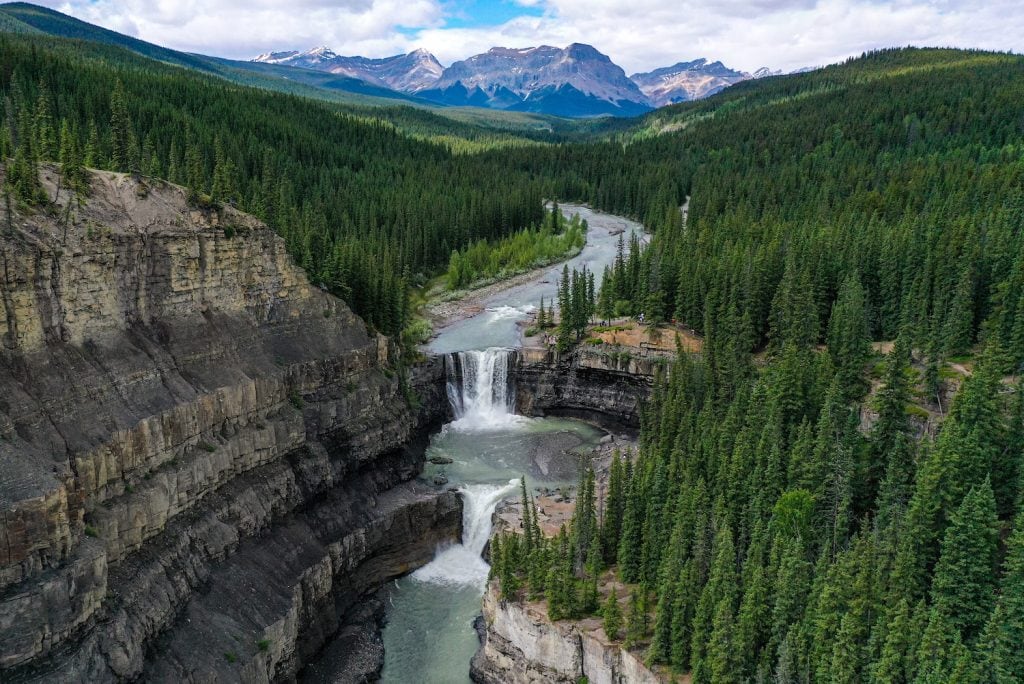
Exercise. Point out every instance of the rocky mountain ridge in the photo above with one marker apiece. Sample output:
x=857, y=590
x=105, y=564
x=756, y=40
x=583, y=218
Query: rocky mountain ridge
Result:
x=408, y=73
x=575, y=81
x=687, y=81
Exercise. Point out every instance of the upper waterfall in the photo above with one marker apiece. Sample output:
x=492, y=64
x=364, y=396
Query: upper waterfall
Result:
x=479, y=388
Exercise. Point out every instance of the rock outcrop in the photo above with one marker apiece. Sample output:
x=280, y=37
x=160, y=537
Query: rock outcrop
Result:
x=521, y=646
x=585, y=382
x=204, y=459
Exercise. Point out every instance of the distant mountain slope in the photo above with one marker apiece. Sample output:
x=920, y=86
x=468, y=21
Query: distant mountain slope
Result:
x=405, y=73
x=575, y=81
x=21, y=16
x=687, y=81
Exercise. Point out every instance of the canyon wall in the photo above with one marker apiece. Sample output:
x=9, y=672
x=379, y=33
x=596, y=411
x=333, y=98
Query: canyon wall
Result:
x=521, y=646
x=204, y=458
x=586, y=381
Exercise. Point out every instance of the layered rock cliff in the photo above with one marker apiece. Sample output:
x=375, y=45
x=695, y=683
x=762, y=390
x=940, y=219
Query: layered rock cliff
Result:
x=204, y=459
x=521, y=646
x=589, y=382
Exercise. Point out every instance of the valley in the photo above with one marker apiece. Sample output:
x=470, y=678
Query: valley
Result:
x=340, y=369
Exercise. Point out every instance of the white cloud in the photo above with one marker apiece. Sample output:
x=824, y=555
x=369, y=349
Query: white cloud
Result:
x=243, y=28
x=638, y=34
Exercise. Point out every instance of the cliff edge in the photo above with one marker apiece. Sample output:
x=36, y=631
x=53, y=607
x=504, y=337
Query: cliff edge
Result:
x=204, y=459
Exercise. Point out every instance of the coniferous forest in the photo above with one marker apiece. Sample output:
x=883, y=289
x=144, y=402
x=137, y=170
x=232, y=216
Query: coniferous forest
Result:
x=800, y=508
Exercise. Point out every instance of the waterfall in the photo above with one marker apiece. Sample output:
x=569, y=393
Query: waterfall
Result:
x=479, y=388
x=463, y=563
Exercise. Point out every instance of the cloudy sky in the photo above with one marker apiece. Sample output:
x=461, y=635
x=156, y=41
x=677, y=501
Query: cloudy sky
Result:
x=638, y=34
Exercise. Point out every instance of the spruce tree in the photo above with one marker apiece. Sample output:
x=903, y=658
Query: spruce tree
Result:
x=963, y=591
x=895, y=662
x=122, y=137
x=636, y=619
x=631, y=541
x=849, y=341
x=529, y=542
x=1003, y=640
x=614, y=507
x=611, y=615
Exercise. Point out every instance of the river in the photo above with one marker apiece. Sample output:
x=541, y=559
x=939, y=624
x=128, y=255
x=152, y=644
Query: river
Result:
x=496, y=326
x=429, y=636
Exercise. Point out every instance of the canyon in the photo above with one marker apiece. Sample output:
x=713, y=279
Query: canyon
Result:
x=210, y=466
x=187, y=421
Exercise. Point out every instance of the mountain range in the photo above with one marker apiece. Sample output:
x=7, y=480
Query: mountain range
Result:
x=530, y=83
x=575, y=81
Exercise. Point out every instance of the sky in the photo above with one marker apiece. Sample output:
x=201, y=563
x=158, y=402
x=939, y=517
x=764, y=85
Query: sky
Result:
x=639, y=35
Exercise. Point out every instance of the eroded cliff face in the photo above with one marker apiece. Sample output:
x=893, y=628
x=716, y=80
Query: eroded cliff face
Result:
x=584, y=382
x=204, y=459
x=521, y=646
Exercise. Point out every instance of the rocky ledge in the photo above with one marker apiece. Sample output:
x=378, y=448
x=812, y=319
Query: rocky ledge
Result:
x=204, y=459
x=599, y=383
x=520, y=645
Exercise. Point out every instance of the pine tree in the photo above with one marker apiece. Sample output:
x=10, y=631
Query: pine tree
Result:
x=849, y=341
x=612, y=615
x=963, y=590
x=122, y=137
x=1003, y=640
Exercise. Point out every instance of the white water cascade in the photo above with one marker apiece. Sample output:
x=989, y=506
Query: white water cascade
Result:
x=479, y=389
x=462, y=563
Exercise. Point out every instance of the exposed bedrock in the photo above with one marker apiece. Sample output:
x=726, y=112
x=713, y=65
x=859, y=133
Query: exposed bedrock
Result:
x=588, y=383
x=204, y=459
x=521, y=646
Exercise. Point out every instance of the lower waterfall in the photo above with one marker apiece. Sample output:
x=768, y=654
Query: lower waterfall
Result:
x=463, y=563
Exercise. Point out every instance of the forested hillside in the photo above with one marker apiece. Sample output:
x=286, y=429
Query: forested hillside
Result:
x=364, y=208
x=801, y=510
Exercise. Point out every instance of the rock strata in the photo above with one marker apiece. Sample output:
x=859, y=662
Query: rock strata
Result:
x=204, y=459
x=586, y=383
x=521, y=646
